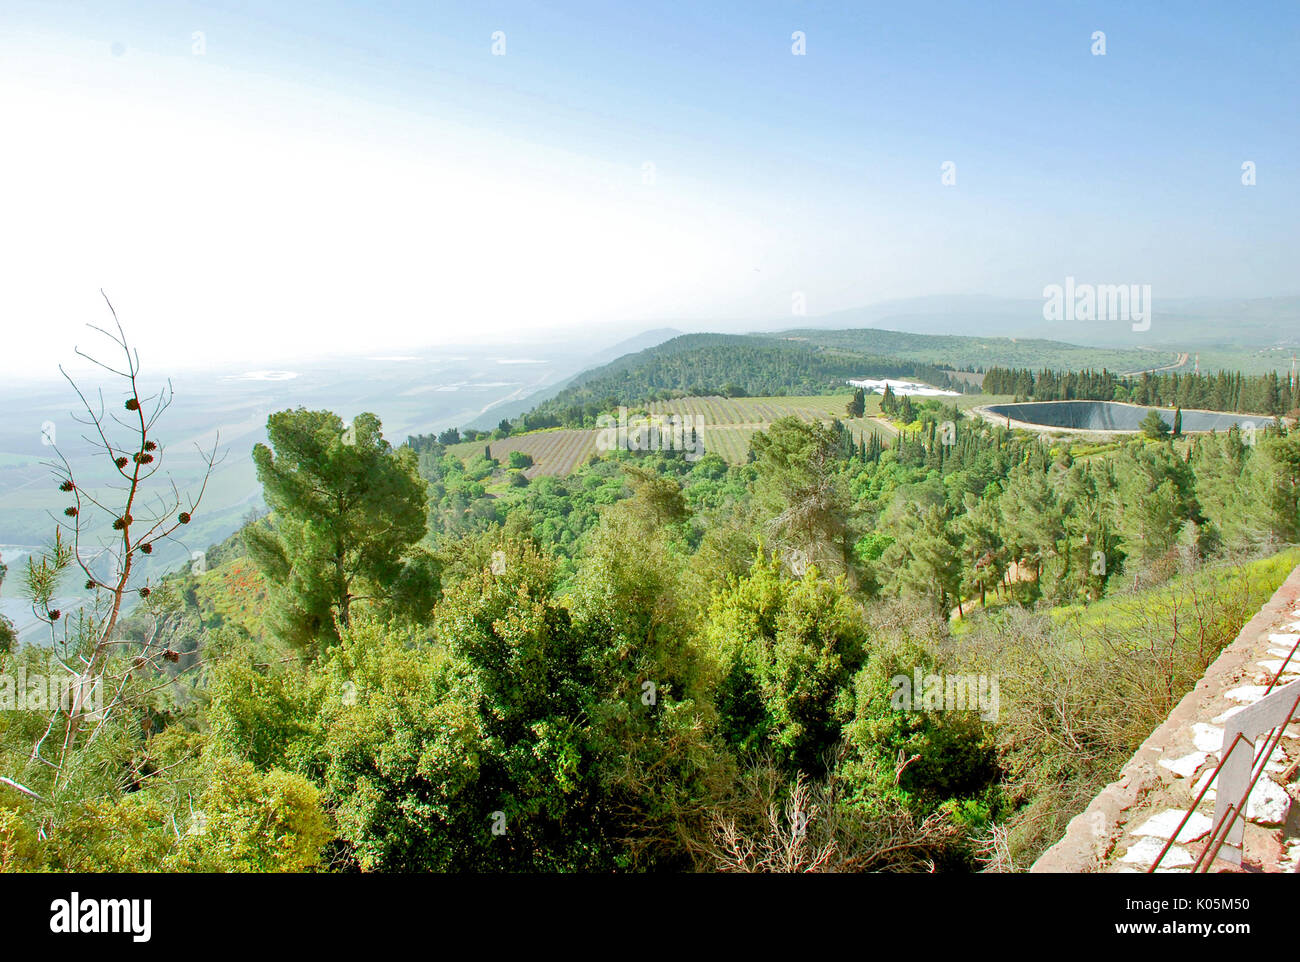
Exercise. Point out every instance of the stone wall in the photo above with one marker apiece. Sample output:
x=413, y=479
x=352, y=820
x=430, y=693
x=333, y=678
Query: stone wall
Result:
x=1130, y=820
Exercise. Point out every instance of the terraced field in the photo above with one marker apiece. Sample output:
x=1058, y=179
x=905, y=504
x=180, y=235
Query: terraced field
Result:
x=759, y=411
x=558, y=452
x=730, y=422
x=726, y=427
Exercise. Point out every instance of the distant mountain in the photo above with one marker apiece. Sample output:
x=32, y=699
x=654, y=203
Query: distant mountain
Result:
x=640, y=342
x=632, y=345
x=1186, y=323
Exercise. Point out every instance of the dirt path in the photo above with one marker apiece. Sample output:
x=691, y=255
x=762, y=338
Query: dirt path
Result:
x=1183, y=358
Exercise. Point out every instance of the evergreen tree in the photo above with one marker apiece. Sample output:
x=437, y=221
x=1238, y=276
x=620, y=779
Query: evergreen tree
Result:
x=888, y=401
x=1153, y=425
x=346, y=508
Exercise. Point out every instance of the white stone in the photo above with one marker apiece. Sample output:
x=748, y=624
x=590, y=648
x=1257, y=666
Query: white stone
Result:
x=1284, y=639
x=1268, y=803
x=1163, y=825
x=1185, y=766
x=1207, y=738
x=1291, y=856
x=1272, y=666
x=1277, y=758
x=1206, y=776
x=1247, y=693
x=1145, y=850
x=1280, y=652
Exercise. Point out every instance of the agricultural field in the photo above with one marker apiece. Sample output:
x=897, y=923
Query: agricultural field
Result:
x=727, y=425
x=758, y=411
x=557, y=452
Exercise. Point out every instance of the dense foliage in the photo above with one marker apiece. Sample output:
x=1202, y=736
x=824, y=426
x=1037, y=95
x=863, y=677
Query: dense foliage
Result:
x=416, y=663
x=1223, y=391
x=722, y=364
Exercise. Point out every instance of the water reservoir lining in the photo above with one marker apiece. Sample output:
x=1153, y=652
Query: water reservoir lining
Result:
x=1114, y=416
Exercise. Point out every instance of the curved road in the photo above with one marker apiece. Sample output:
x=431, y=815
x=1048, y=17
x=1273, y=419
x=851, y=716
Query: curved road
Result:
x=1183, y=358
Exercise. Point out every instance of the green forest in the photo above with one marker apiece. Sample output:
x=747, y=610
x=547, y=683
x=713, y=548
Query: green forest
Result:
x=1221, y=391
x=418, y=662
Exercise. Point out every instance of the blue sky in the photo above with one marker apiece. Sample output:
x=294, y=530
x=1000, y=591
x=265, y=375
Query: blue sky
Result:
x=319, y=162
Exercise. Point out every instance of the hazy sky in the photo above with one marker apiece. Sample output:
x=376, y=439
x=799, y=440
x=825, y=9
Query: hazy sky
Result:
x=251, y=181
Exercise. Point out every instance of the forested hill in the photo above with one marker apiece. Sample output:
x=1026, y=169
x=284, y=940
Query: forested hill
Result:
x=798, y=363
x=733, y=365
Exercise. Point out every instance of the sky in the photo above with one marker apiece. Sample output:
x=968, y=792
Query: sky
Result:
x=255, y=182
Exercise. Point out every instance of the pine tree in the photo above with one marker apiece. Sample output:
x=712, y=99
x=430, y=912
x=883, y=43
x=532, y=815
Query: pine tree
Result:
x=888, y=401
x=345, y=511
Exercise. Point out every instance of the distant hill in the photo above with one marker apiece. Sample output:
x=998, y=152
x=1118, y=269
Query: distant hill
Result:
x=731, y=365
x=632, y=345
x=803, y=362
x=979, y=352
x=1231, y=328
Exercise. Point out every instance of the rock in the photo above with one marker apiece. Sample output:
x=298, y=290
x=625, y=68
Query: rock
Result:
x=1207, y=776
x=1145, y=850
x=1268, y=803
x=1207, y=738
x=1291, y=854
x=1277, y=758
x=1184, y=767
x=1247, y=693
x=1162, y=826
x=1280, y=639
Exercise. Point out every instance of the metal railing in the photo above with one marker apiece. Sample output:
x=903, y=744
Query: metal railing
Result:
x=1268, y=716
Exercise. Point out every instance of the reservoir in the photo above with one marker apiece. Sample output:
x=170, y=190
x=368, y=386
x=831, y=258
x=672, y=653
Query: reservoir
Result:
x=1113, y=416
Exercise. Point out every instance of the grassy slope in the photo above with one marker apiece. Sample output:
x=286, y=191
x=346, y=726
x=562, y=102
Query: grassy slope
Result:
x=1124, y=613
